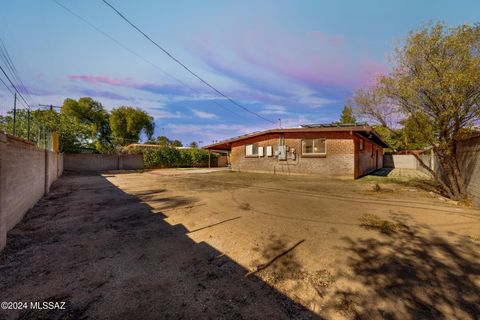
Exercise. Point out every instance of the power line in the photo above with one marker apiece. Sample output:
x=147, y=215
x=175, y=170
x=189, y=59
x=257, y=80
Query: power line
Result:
x=14, y=87
x=123, y=46
x=6, y=86
x=13, y=70
x=183, y=65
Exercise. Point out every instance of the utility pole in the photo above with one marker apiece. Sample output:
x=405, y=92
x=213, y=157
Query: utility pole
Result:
x=28, y=124
x=50, y=106
x=15, y=114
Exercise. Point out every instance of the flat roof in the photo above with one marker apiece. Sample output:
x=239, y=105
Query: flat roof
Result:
x=364, y=130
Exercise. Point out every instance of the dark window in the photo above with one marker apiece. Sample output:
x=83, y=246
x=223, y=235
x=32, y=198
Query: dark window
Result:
x=251, y=149
x=314, y=146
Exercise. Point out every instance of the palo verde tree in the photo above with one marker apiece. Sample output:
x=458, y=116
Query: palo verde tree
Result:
x=435, y=86
x=127, y=123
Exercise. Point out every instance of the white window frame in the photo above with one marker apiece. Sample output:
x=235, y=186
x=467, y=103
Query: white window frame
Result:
x=260, y=151
x=247, y=146
x=361, y=144
x=269, y=151
x=314, y=153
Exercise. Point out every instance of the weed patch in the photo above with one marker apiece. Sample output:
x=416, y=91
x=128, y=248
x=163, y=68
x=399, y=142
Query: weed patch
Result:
x=374, y=222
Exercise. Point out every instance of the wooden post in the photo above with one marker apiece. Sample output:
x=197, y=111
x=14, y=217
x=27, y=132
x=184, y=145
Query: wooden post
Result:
x=209, y=158
x=55, y=149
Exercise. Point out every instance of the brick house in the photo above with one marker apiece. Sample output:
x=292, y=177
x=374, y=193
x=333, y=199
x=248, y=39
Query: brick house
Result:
x=330, y=150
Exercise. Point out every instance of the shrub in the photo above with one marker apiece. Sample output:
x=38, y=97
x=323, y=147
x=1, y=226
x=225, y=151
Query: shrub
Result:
x=168, y=157
x=373, y=222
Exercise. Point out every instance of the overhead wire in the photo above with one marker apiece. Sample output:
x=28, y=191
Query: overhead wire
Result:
x=13, y=70
x=14, y=87
x=183, y=65
x=140, y=56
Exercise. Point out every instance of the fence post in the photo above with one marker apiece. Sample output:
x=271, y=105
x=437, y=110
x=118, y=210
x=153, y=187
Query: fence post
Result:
x=3, y=227
x=15, y=114
x=28, y=124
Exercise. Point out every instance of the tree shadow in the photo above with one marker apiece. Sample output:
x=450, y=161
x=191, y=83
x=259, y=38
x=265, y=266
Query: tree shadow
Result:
x=412, y=274
x=279, y=265
x=382, y=172
x=109, y=255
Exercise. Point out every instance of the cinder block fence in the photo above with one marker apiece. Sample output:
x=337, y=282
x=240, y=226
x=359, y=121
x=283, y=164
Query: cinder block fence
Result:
x=102, y=162
x=26, y=174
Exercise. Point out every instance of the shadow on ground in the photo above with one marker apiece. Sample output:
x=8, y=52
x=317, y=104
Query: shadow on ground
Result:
x=110, y=256
x=382, y=172
x=412, y=274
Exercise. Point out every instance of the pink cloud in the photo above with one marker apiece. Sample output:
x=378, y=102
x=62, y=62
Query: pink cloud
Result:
x=127, y=82
x=316, y=60
x=165, y=89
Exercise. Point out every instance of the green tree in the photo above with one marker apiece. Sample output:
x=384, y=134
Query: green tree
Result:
x=163, y=141
x=73, y=135
x=127, y=123
x=347, y=116
x=193, y=144
x=91, y=113
x=177, y=143
x=435, y=85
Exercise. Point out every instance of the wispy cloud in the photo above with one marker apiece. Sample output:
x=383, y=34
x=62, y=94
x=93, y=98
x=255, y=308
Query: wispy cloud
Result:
x=204, y=115
x=274, y=109
x=210, y=132
x=156, y=88
x=163, y=114
x=309, y=69
x=105, y=94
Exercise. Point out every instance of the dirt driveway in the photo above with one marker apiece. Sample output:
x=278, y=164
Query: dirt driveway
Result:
x=238, y=245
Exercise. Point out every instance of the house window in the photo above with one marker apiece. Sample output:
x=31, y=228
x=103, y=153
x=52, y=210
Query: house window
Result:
x=313, y=146
x=362, y=145
x=269, y=151
x=251, y=150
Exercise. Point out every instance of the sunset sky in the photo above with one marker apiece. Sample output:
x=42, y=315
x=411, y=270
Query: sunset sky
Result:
x=294, y=60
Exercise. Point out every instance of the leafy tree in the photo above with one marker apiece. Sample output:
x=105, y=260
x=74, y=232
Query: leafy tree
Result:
x=92, y=113
x=347, y=116
x=73, y=135
x=163, y=141
x=127, y=123
x=177, y=143
x=193, y=144
x=83, y=124
x=434, y=89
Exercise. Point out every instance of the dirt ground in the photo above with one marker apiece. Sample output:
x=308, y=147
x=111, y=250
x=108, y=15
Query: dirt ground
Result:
x=180, y=244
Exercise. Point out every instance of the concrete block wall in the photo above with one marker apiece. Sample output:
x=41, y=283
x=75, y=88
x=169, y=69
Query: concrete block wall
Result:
x=26, y=174
x=130, y=162
x=468, y=154
x=102, y=162
x=338, y=161
x=403, y=161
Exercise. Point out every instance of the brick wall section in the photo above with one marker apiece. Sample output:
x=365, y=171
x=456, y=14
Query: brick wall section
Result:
x=102, y=162
x=222, y=161
x=370, y=158
x=339, y=160
x=468, y=154
x=26, y=174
